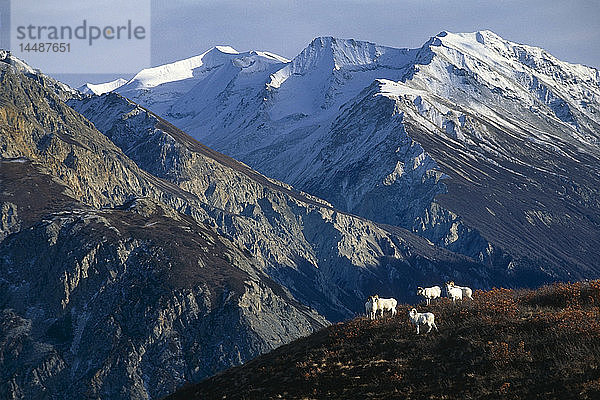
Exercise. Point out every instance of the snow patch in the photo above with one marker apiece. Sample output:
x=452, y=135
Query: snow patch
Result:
x=395, y=175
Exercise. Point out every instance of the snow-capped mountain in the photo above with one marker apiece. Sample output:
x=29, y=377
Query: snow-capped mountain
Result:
x=194, y=80
x=482, y=145
x=134, y=259
x=146, y=259
x=101, y=88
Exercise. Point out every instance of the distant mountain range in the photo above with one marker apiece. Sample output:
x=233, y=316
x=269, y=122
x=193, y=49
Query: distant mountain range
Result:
x=483, y=146
x=134, y=259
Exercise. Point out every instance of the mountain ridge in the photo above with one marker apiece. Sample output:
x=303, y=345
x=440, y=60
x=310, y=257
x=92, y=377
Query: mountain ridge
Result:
x=325, y=117
x=475, y=95
x=141, y=244
x=102, y=88
x=439, y=170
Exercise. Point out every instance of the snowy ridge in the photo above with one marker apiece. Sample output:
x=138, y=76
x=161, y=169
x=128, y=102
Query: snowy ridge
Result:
x=188, y=68
x=179, y=70
x=385, y=132
x=102, y=88
x=525, y=73
x=197, y=79
x=326, y=54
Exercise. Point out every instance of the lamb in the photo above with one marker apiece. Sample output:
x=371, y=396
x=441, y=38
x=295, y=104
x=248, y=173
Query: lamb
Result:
x=419, y=319
x=453, y=292
x=466, y=291
x=386, y=305
x=371, y=307
x=429, y=293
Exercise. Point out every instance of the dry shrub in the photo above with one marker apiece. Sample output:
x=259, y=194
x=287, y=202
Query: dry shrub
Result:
x=504, y=343
x=502, y=353
x=591, y=389
x=561, y=295
x=495, y=302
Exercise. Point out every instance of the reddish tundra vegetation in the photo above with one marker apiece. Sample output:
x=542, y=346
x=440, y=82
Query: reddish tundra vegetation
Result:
x=511, y=344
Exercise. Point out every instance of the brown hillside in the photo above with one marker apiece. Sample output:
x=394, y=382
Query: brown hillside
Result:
x=504, y=344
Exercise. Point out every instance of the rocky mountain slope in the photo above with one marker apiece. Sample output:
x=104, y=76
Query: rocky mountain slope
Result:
x=504, y=344
x=107, y=291
x=134, y=259
x=299, y=240
x=484, y=146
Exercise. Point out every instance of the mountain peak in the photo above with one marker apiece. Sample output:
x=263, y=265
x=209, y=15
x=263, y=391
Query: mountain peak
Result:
x=327, y=54
x=182, y=69
x=483, y=37
x=61, y=89
x=20, y=65
x=192, y=66
x=101, y=88
x=346, y=51
x=226, y=49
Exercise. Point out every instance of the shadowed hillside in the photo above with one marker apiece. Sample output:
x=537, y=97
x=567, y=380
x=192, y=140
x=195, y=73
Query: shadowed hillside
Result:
x=543, y=343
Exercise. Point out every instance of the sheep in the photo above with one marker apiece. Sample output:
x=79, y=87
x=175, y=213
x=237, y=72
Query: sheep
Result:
x=371, y=308
x=422, y=319
x=386, y=305
x=429, y=293
x=453, y=292
x=466, y=291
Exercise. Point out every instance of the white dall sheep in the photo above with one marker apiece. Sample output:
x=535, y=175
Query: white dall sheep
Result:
x=429, y=293
x=467, y=293
x=371, y=308
x=419, y=319
x=454, y=293
x=386, y=305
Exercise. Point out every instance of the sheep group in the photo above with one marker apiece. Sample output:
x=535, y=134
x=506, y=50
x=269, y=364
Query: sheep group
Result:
x=375, y=304
x=454, y=292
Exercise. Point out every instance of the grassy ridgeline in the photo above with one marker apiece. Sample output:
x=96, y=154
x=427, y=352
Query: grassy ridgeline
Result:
x=504, y=344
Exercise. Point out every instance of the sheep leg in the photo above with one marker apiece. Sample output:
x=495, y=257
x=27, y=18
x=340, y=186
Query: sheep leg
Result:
x=417, y=329
x=434, y=325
